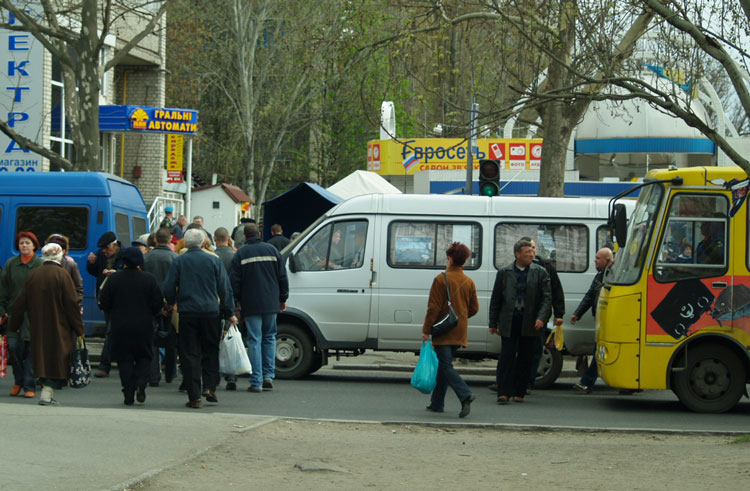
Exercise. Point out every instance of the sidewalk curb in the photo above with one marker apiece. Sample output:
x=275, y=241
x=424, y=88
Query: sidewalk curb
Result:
x=128, y=484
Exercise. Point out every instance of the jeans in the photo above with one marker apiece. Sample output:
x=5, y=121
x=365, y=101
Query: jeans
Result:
x=261, y=347
x=447, y=375
x=19, y=354
x=199, y=353
x=591, y=374
x=514, y=365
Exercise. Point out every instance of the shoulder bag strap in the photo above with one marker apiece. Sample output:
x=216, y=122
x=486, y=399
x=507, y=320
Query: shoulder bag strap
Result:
x=447, y=288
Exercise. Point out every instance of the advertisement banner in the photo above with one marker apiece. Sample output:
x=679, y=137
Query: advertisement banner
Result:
x=403, y=157
x=174, y=158
x=535, y=158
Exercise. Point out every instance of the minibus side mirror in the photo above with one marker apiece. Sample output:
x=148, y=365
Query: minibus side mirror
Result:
x=292, y=263
x=620, y=219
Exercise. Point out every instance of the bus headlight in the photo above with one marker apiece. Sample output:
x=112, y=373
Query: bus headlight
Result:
x=606, y=353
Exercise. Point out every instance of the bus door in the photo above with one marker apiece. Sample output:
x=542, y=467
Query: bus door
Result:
x=691, y=285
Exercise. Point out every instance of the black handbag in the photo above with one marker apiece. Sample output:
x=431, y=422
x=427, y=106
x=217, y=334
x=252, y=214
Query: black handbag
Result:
x=80, y=368
x=162, y=332
x=450, y=321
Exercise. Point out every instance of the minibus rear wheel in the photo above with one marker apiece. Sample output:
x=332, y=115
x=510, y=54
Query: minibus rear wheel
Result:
x=550, y=366
x=294, y=352
x=713, y=380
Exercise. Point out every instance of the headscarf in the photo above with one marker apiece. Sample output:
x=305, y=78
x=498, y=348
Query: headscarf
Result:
x=52, y=253
x=132, y=257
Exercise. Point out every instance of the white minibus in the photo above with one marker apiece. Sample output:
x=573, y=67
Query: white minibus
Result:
x=359, y=277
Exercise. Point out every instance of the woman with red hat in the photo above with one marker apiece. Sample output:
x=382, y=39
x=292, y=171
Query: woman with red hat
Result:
x=12, y=279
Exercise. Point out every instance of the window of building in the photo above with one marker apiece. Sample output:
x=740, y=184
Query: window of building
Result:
x=563, y=245
x=61, y=140
x=421, y=244
x=694, y=244
x=216, y=205
x=338, y=245
x=122, y=229
x=43, y=221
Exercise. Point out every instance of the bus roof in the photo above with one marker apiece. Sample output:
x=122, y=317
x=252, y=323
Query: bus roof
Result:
x=700, y=176
x=459, y=205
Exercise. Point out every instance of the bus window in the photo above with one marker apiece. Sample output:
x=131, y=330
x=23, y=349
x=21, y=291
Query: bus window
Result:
x=43, y=221
x=695, y=238
x=564, y=245
x=139, y=226
x=419, y=244
x=122, y=229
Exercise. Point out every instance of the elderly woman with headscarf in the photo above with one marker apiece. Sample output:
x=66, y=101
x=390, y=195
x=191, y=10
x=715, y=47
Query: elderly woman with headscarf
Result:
x=132, y=298
x=12, y=279
x=69, y=264
x=49, y=298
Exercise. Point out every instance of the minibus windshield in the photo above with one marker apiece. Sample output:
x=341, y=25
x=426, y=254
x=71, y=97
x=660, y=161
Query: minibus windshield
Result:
x=630, y=260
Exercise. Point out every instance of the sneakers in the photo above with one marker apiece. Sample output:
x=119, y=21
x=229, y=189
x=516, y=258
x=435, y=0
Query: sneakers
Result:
x=582, y=388
x=231, y=385
x=15, y=390
x=254, y=389
x=29, y=394
x=268, y=384
x=466, y=407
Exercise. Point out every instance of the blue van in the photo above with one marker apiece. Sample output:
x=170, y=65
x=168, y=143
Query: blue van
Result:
x=80, y=205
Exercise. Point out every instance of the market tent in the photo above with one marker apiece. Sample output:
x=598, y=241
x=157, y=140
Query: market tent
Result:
x=362, y=182
x=297, y=208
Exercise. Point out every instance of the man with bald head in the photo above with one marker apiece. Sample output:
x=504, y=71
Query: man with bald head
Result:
x=602, y=261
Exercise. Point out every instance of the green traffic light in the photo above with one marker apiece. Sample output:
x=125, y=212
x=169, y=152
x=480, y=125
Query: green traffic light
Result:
x=489, y=189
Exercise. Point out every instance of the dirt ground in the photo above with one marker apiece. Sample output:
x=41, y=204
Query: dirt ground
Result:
x=311, y=455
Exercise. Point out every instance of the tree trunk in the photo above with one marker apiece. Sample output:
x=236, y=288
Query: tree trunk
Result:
x=557, y=133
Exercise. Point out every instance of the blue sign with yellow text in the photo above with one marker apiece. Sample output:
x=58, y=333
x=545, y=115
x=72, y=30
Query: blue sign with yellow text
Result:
x=148, y=119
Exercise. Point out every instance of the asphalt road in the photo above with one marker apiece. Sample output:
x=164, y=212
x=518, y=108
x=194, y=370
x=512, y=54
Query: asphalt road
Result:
x=388, y=397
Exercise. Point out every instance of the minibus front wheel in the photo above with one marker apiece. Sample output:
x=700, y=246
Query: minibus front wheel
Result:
x=294, y=352
x=550, y=366
x=712, y=380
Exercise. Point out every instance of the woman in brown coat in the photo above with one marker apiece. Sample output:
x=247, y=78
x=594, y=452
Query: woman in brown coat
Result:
x=465, y=304
x=49, y=298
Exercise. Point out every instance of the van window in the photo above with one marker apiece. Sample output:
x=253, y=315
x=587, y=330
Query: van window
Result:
x=605, y=238
x=122, y=229
x=563, y=245
x=420, y=244
x=695, y=238
x=139, y=226
x=338, y=245
x=43, y=221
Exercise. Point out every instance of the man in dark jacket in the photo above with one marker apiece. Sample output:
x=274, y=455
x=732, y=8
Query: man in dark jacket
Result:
x=277, y=237
x=157, y=262
x=260, y=284
x=519, y=309
x=602, y=260
x=100, y=265
x=198, y=283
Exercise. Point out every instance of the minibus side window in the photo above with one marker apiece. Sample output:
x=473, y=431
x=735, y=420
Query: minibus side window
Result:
x=43, y=221
x=122, y=229
x=139, y=226
x=418, y=244
x=340, y=245
x=694, y=242
x=563, y=245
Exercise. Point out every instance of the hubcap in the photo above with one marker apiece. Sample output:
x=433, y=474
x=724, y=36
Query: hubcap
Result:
x=710, y=379
x=287, y=352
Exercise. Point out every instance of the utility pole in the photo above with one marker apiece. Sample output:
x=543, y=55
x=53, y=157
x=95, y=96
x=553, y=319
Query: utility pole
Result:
x=472, y=144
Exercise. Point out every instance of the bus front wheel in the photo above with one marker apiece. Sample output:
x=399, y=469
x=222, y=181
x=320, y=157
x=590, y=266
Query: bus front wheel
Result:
x=713, y=379
x=294, y=352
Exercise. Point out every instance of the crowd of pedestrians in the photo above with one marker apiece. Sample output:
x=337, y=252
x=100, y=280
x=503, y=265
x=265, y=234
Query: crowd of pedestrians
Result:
x=167, y=298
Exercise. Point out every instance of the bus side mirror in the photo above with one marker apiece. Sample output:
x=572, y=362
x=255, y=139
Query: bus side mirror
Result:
x=620, y=219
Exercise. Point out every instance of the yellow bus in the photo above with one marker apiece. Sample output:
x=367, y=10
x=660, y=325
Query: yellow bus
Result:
x=674, y=312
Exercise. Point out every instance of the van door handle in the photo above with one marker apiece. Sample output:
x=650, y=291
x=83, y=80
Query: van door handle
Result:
x=346, y=290
x=719, y=284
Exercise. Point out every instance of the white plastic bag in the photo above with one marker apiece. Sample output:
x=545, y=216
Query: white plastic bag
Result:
x=233, y=359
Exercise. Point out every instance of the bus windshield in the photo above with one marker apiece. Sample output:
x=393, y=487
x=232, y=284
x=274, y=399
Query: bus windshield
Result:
x=631, y=259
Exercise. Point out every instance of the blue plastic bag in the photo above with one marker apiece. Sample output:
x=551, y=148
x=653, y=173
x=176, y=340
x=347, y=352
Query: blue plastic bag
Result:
x=425, y=374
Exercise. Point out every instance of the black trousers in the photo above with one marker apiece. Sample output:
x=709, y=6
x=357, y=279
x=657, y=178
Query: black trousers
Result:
x=133, y=374
x=514, y=364
x=199, y=353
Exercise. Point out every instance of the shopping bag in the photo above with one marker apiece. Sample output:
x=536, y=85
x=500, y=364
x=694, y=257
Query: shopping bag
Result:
x=558, y=337
x=233, y=359
x=3, y=356
x=80, y=368
x=425, y=374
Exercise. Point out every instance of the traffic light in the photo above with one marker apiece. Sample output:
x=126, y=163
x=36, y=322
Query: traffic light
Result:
x=489, y=177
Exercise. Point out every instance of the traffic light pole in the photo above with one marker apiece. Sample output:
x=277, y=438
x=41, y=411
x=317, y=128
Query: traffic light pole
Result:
x=471, y=143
